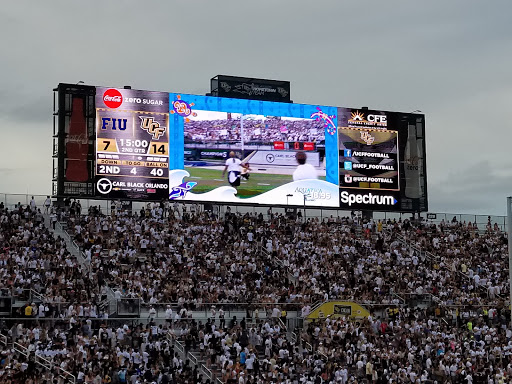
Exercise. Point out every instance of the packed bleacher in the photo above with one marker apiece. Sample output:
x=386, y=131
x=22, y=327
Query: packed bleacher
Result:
x=437, y=294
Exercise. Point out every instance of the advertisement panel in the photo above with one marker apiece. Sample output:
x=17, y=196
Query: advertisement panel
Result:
x=132, y=144
x=77, y=143
x=339, y=309
x=252, y=152
x=250, y=88
x=73, y=140
x=382, y=160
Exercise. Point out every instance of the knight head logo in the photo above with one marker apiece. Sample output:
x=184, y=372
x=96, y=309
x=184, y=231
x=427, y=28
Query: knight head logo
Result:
x=367, y=137
x=152, y=127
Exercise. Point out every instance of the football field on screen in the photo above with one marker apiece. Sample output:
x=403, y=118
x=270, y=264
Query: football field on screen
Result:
x=208, y=179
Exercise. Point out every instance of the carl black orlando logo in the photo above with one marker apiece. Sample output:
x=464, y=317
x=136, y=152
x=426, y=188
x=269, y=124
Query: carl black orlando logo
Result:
x=104, y=186
x=270, y=158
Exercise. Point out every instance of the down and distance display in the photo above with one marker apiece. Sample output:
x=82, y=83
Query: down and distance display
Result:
x=132, y=144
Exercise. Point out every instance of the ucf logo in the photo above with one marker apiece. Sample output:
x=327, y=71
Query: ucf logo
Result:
x=152, y=127
x=367, y=138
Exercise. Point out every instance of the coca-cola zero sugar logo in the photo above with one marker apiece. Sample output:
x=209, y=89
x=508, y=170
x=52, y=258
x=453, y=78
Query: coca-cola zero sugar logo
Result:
x=112, y=98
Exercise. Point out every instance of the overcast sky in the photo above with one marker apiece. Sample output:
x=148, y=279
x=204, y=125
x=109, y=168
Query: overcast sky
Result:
x=450, y=59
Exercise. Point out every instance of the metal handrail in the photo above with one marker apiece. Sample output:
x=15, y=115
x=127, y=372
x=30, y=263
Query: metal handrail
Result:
x=192, y=358
x=20, y=349
x=179, y=346
x=66, y=375
x=315, y=305
x=37, y=295
x=399, y=297
x=282, y=324
x=207, y=372
x=49, y=364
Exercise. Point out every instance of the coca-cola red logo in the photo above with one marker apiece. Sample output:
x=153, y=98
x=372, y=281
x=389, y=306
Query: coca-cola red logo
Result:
x=112, y=98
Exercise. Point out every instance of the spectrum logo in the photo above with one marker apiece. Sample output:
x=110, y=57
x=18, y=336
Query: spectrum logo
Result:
x=351, y=198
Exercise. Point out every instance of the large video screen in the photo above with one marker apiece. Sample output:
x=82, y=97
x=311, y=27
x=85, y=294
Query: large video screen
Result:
x=158, y=146
x=254, y=152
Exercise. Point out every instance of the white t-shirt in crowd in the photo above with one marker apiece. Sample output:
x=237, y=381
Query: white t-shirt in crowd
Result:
x=305, y=171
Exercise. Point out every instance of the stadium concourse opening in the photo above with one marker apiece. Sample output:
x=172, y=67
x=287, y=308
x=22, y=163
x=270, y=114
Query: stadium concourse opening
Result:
x=169, y=292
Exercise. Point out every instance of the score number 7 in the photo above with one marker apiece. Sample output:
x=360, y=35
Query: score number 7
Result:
x=106, y=145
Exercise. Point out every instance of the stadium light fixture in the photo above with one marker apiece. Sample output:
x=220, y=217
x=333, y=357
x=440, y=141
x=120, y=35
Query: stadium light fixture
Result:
x=80, y=82
x=287, y=198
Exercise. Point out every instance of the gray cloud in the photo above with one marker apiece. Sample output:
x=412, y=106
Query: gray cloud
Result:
x=451, y=60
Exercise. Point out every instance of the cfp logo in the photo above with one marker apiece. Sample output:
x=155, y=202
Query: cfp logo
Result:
x=367, y=138
x=152, y=127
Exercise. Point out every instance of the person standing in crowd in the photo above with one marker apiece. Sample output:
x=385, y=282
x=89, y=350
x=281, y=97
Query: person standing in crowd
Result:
x=32, y=204
x=47, y=204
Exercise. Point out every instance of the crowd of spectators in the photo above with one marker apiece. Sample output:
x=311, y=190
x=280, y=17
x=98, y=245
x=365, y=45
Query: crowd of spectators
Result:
x=189, y=258
x=104, y=354
x=36, y=264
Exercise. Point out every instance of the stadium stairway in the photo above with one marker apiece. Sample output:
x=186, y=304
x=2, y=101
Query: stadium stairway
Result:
x=433, y=259
x=108, y=305
x=59, y=375
x=276, y=263
x=71, y=245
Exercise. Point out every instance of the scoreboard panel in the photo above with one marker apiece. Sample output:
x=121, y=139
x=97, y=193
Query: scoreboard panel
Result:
x=126, y=144
x=132, y=146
